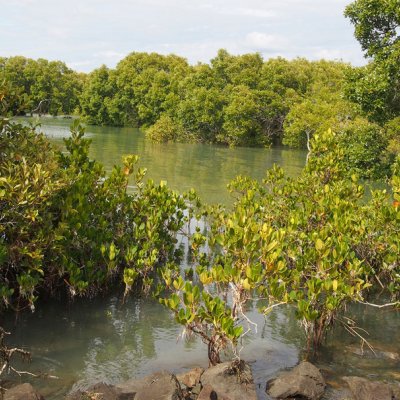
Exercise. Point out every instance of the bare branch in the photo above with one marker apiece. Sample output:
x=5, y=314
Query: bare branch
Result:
x=397, y=303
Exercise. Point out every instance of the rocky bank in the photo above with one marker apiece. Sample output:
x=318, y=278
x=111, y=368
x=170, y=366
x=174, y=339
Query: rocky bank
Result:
x=226, y=381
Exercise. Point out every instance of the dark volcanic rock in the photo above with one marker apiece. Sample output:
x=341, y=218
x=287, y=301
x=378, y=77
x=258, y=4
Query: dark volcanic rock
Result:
x=304, y=381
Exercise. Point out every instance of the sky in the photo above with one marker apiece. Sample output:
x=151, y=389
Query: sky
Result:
x=88, y=33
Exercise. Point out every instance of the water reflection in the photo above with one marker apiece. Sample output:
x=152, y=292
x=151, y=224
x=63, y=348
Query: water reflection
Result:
x=104, y=340
x=206, y=168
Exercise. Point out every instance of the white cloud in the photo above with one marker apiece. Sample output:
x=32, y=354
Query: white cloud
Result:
x=78, y=64
x=330, y=54
x=247, y=12
x=58, y=32
x=109, y=54
x=259, y=41
x=101, y=31
x=19, y=2
x=346, y=54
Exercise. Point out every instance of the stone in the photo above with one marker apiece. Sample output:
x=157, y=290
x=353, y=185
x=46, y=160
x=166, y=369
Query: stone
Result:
x=364, y=389
x=208, y=393
x=304, y=381
x=158, y=386
x=384, y=354
x=24, y=391
x=196, y=389
x=222, y=382
x=190, y=378
x=101, y=391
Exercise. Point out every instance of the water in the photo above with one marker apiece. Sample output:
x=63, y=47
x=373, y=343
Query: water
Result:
x=206, y=168
x=86, y=341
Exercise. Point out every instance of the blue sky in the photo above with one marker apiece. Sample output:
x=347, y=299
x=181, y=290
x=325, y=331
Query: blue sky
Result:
x=88, y=33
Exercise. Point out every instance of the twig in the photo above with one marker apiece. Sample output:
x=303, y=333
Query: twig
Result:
x=397, y=303
x=379, y=281
x=353, y=332
x=270, y=308
x=41, y=375
x=6, y=355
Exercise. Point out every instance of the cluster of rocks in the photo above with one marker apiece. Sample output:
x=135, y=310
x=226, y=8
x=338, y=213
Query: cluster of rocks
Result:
x=226, y=381
x=220, y=382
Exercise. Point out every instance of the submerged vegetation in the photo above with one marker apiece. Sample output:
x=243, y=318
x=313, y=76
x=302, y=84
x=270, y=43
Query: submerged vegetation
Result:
x=314, y=242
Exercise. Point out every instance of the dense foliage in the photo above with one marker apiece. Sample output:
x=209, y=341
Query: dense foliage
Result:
x=315, y=242
x=65, y=225
x=44, y=86
x=312, y=242
x=376, y=87
x=234, y=100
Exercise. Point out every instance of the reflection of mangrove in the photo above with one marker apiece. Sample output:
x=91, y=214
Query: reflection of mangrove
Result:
x=131, y=341
x=206, y=167
x=93, y=340
x=283, y=324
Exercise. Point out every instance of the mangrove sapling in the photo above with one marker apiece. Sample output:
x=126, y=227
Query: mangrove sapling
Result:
x=133, y=232
x=66, y=225
x=382, y=245
x=204, y=315
x=326, y=223
x=291, y=241
x=229, y=276
x=322, y=225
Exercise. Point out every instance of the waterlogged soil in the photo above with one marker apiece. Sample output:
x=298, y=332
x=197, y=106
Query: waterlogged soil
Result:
x=85, y=341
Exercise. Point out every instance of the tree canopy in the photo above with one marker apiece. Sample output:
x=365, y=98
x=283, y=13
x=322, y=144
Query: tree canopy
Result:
x=376, y=87
x=49, y=86
x=235, y=100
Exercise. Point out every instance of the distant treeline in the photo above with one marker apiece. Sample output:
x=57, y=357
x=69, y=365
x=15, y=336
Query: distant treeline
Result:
x=41, y=86
x=234, y=100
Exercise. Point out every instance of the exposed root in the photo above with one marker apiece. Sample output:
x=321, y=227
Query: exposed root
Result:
x=7, y=354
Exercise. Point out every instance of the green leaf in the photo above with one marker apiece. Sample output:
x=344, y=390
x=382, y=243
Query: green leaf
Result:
x=319, y=244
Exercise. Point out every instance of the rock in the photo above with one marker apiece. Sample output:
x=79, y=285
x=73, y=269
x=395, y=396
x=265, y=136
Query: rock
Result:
x=196, y=389
x=304, y=381
x=383, y=354
x=208, y=393
x=158, y=386
x=222, y=382
x=364, y=389
x=22, y=392
x=190, y=378
x=101, y=391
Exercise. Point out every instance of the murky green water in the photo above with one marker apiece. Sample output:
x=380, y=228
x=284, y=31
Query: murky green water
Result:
x=102, y=339
x=206, y=168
